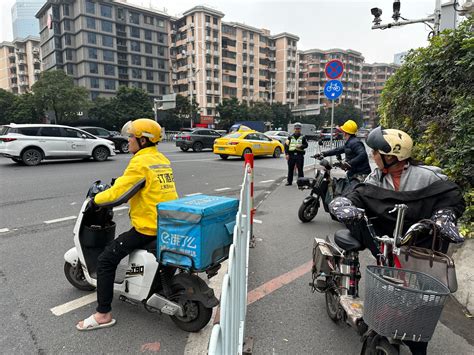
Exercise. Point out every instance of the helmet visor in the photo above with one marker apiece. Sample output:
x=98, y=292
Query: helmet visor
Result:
x=127, y=129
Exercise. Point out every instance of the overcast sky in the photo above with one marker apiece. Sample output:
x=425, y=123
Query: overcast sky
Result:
x=320, y=24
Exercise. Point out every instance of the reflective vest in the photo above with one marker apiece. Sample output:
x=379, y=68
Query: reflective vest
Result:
x=152, y=170
x=294, y=142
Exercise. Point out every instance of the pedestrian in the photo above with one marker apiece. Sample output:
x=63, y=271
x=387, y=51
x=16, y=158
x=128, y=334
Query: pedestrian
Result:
x=147, y=181
x=356, y=160
x=294, y=153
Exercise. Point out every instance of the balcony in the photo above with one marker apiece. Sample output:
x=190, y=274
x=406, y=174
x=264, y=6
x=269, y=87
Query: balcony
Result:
x=216, y=27
x=252, y=75
x=244, y=75
x=244, y=51
x=192, y=66
x=208, y=24
x=217, y=92
x=271, y=58
x=23, y=83
x=121, y=34
x=208, y=38
x=11, y=55
x=209, y=92
x=217, y=80
x=244, y=63
x=208, y=78
x=22, y=72
x=251, y=40
x=217, y=66
x=215, y=40
x=252, y=64
x=21, y=61
x=251, y=53
x=272, y=48
x=190, y=39
x=272, y=70
x=14, y=86
x=20, y=51
x=217, y=53
x=244, y=86
x=208, y=66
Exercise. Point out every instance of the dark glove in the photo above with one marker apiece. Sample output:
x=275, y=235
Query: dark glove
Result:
x=345, y=165
x=319, y=156
x=92, y=206
x=417, y=229
x=445, y=220
x=345, y=212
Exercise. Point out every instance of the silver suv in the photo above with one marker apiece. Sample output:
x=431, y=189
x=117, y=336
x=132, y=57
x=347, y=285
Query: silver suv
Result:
x=29, y=144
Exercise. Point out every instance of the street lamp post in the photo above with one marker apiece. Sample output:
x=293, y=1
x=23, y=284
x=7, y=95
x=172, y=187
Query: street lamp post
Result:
x=191, y=86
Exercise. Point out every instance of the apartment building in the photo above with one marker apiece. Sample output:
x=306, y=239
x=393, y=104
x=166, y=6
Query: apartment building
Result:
x=312, y=78
x=24, y=23
x=107, y=44
x=20, y=64
x=212, y=60
x=374, y=77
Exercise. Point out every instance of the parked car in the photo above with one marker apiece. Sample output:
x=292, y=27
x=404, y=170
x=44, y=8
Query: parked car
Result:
x=280, y=136
x=29, y=144
x=121, y=142
x=197, y=139
x=241, y=143
x=325, y=134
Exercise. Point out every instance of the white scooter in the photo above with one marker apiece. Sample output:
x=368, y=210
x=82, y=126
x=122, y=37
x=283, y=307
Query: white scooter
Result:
x=171, y=290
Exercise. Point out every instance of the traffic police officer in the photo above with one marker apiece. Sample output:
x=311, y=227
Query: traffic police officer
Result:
x=294, y=152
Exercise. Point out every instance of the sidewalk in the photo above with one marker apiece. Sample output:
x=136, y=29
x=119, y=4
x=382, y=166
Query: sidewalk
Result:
x=285, y=317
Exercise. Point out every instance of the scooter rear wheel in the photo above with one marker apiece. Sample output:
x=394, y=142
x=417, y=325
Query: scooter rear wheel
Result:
x=332, y=305
x=196, y=315
x=75, y=276
x=308, y=211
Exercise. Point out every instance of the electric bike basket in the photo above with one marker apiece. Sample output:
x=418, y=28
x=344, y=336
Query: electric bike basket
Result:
x=195, y=232
x=403, y=304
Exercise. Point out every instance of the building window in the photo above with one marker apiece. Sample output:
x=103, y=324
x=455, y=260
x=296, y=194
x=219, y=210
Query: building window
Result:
x=134, y=18
x=91, y=38
x=161, y=37
x=148, y=20
x=120, y=14
x=93, y=68
x=109, y=56
x=67, y=40
x=109, y=84
x=94, y=83
x=160, y=23
x=92, y=53
x=66, y=10
x=67, y=25
x=135, y=46
x=137, y=60
x=109, y=70
x=148, y=48
x=208, y=19
x=106, y=11
x=107, y=41
x=150, y=88
x=148, y=35
x=214, y=20
x=94, y=95
x=149, y=62
x=162, y=77
x=149, y=75
x=134, y=32
x=70, y=69
x=161, y=51
x=90, y=7
x=136, y=73
x=90, y=23
x=161, y=64
x=107, y=26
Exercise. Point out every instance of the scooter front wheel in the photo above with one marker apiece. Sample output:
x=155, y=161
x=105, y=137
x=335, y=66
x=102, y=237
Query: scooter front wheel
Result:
x=76, y=277
x=379, y=345
x=308, y=211
x=196, y=315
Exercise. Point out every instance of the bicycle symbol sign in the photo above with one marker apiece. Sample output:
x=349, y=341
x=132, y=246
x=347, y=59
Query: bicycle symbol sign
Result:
x=333, y=89
x=334, y=69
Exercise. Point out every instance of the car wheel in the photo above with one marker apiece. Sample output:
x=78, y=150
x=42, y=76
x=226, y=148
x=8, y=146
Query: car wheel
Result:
x=277, y=152
x=100, y=153
x=197, y=147
x=184, y=149
x=123, y=147
x=223, y=156
x=246, y=151
x=31, y=156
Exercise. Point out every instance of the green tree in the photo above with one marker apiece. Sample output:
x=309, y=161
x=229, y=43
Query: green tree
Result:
x=55, y=91
x=104, y=110
x=342, y=113
x=131, y=103
x=25, y=110
x=7, y=102
x=260, y=111
x=231, y=111
x=431, y=97
x=282, y=115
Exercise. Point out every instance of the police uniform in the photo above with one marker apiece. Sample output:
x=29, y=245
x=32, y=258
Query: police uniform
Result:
x=294, y=149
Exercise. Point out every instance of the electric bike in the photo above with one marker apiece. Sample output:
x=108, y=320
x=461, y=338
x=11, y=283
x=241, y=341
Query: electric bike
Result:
x=400, y=305
x=177, y=292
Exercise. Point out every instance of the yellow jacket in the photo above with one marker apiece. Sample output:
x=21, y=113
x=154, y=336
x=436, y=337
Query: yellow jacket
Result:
x=147, y=181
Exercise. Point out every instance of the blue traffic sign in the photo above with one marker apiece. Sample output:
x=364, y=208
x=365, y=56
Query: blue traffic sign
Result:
x=333, y=89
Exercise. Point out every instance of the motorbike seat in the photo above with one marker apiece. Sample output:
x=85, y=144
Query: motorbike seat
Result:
x=346, y=241
x=150, y=247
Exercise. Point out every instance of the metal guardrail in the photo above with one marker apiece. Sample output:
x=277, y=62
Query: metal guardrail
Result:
x=227, y=336
x=315, y=148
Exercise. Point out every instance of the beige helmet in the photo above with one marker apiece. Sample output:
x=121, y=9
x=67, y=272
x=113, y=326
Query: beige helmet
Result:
x=390, y=142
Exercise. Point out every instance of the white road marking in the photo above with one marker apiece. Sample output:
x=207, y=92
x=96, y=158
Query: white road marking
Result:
x=120, y=208
x=73, y=203
x=4, y=230
x=60, y=219
x=266, y=181
x=257, y=221
x=223, y=189
x=74, y=304
x=190, y=161
x=194, y=194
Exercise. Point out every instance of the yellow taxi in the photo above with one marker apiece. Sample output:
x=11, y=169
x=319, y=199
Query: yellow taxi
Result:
x=247, y=141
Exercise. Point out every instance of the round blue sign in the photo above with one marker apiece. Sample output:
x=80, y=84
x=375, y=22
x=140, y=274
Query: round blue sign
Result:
x=333, y=89
x=334, y=69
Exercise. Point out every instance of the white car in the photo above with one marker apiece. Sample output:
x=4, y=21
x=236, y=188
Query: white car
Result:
x=281, y=136
x=29, y=144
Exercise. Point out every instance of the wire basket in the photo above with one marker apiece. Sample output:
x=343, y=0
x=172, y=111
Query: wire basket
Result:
x=403, y=304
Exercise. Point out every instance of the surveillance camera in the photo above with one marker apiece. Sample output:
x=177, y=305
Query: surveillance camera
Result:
x=376, y=12
x=396, y=10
